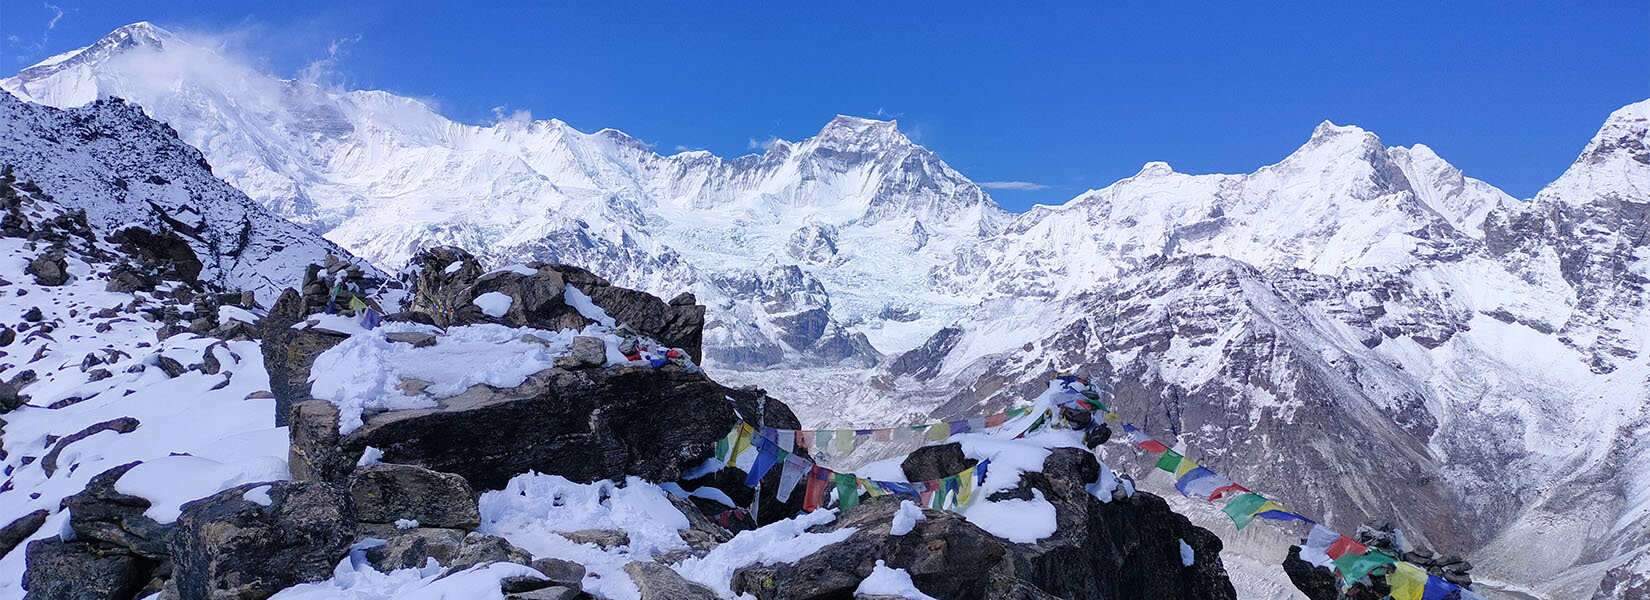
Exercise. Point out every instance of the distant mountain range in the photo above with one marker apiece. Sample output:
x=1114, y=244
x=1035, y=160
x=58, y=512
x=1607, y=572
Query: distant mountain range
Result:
x=1359, y=329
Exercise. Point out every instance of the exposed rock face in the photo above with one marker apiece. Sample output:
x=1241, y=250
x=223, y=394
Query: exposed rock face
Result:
x=414, y=547
x=1128, y=548
x=289, y=353
x=49, y=268
x=102, y=515
x=20, y=529
x=584, y=425
x=447, y=280
x=386, y=493
x=659, y=582
x=228, y=547
x=59, y=570
x=934, y=462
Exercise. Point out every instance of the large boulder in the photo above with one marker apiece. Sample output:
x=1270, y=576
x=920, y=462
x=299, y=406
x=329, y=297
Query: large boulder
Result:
x=387, y=493
x=50, y=268
x=234, y=545
x=102, y=515
x=59, y=570
x=289, y=353
x=21, y=529
x=659, y=582
x=585, y=425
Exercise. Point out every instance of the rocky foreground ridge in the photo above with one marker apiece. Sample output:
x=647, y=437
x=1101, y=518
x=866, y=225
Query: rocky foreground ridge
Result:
x=142, y=457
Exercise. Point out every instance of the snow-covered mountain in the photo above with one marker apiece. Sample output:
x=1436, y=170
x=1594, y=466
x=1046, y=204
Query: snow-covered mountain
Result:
x=1352, y=320
x=1494, y=368
x=130, y=173
x=384, y=176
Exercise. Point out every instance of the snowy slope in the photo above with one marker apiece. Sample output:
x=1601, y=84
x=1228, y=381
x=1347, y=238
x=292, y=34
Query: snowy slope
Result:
x=127, y=170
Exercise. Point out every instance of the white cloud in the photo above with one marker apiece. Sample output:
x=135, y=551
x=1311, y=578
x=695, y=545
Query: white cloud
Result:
x=762, y=144
x=324, y=70
x=57, y=15
x=1024, y=186
x=520, y=117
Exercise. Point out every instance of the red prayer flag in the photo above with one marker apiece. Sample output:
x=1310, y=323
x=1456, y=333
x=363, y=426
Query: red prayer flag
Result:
x=1226, y=490
x=814, y=496
x=1345, y=545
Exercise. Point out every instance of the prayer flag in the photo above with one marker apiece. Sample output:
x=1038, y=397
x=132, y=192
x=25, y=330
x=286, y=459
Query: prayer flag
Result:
x=965, y=486
x=1439, y=589
x=767, y=455
x=1226, y=490
x=814, y=496
x=1343, y=546
x=1168, y=461
x=847, y=491
x=822, y=440
x=996, y=420
x=1198, y=482
x=951, y=486
x=845, y=442
x=883, y=435
x=742, y=458
x=1355, y=567
x=370, y=319
x=925, y=492
x=805, y=438
x=356, y=305
x=871, y=488
x=1186, y=465
x=1242, y=509
x=789, y=475
x=1315, y=549
x=937, y=499
x=1278, y=514
x=786, y=439
x=938, y=432
x=1408, y=582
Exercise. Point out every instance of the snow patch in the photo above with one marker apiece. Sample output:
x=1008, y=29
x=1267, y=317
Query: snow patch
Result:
x=494, y=304
x=886, y=581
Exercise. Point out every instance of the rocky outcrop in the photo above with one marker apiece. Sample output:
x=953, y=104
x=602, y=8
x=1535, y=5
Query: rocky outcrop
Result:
x=1126, y=548
x=659, y=582
x=585, y=425
x=233, y=546
x=101, y=515
x=20, y=529
x=387, y=493
x=289, y=353
x=59, y=570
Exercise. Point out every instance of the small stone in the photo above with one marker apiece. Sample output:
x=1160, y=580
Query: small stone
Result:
x=416, y=338
x=605, y=539
x=659, y=582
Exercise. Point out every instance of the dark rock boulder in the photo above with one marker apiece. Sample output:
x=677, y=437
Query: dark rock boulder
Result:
x=59, y=570
x=414, y=547
x=289, y=353
x=585, y=425
x=107, y=517
x=659, y=582
x=227, y=546
x=20, y=529
x=314, y=454
x=386, y=493
x=1317, y=583
x=117, y=425
x=929, y=463
x=480, y=549
x=50, y=268
x=165, y=253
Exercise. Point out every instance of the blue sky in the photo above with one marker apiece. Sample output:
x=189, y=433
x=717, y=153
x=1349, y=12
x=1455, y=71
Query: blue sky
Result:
x=1060, y=98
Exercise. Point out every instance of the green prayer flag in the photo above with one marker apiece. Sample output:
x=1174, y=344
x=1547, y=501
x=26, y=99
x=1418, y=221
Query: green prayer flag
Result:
x=847, y=491
x=940, y=493
x=722, y=447
x=1169, y=461
x=1354, y=567
x=1242, y=508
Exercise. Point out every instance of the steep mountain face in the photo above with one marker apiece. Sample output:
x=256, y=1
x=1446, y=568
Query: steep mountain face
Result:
x=385, y=176
x=1360, y=329
x=132, y=176
x=1496, y=374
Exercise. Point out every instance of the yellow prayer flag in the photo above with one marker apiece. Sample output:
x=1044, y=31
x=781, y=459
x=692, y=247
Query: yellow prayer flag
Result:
x=1186, y=465
x=742, y=443
x=965, y=486
x=845, y=441
x=938, y=432
x=1408, y=582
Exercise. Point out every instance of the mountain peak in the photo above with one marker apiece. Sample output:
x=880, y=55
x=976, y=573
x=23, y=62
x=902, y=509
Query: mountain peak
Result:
x=1328, y=130
x=1155, y=168
x=855, y=131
